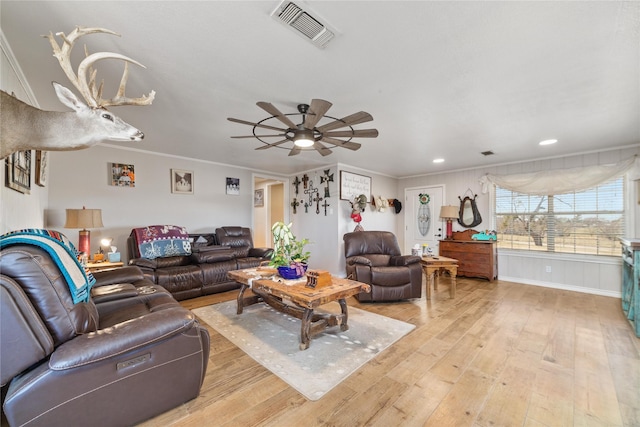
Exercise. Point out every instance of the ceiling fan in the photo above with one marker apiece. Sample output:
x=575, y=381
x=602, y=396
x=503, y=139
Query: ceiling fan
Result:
x=314, y=128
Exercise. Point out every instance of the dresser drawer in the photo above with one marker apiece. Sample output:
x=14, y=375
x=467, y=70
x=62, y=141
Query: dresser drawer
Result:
x=475, y=258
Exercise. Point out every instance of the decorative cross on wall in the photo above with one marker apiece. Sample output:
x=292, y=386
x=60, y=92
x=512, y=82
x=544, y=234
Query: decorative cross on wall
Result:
x=326, y=178
x=306, y=207
x=305, y=180
x=325, y=205
x=317, y=200
x=311, y=191
x=296, y=183
x=294, y=205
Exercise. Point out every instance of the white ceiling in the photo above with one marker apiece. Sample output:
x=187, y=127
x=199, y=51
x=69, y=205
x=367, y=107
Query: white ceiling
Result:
x=441, y=79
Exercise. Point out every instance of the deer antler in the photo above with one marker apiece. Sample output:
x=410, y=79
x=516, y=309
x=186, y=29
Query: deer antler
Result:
x=88, y=90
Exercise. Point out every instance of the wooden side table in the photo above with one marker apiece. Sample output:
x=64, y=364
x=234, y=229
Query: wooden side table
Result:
x=101, y=266
x=432, y=265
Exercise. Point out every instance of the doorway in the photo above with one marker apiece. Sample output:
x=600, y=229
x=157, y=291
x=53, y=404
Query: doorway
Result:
x=422, y=217
x=270, y=196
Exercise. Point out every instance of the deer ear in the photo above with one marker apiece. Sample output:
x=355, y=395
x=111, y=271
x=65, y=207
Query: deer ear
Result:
x=68, y=98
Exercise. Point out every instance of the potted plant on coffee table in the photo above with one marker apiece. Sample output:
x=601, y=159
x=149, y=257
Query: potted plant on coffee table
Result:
x=289, y=256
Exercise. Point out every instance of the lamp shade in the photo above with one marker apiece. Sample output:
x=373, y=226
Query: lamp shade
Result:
x=84, y=218
x=449, y=212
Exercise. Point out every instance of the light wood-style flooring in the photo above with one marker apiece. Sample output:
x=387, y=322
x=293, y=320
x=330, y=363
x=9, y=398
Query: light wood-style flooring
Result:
x=499, y=354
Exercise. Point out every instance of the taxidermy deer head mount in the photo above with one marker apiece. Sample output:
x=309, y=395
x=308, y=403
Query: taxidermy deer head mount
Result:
x=23, y=127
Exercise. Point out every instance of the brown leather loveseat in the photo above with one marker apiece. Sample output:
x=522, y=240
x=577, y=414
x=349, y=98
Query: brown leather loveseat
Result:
x=374, y=257
x=202, y=270
x=127, y=353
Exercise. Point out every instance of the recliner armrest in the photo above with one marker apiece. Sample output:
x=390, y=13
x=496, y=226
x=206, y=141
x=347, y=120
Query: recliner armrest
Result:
x=404, y=260
x=128, y=274
x=359, y=260
x=121, y=338
x=260, y=252
x=220, y=254
x=144, y=263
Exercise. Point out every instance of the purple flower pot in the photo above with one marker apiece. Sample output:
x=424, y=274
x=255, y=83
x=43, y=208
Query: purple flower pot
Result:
x=290, y=273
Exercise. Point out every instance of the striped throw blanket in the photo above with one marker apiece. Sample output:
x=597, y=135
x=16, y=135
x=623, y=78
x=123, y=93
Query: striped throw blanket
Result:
x=62, y=251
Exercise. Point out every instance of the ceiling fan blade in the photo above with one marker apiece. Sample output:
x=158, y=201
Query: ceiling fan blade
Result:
x=244, y=122
x=271, y=109
x=318, y=108
x=358, y=133
x=322, y=149
x=275, y=144
x=259, y=136
x=345, y=144
x=353, y=119
x=295, y=150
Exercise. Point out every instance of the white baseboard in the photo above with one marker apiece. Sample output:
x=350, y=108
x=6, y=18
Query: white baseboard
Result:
x=593, y=291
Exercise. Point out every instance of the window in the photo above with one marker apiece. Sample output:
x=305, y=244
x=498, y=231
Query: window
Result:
x=585, y=222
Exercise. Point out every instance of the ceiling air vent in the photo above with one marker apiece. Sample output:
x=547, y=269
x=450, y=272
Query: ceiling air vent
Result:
x=294, y=17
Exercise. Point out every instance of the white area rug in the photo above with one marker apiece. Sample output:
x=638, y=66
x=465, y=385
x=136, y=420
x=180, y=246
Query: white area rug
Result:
x=272, y=338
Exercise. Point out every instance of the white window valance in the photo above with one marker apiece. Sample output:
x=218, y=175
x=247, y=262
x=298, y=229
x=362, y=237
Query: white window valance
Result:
x=558, y=181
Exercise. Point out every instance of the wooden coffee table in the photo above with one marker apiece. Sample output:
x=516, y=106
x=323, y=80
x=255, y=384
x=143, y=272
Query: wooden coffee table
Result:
x=294, y=298
x=431, y=267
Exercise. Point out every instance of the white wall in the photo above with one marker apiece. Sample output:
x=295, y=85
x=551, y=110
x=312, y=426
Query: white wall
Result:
x=599, y=275
x=81, y=178
x=19, y=210
x=325, y=232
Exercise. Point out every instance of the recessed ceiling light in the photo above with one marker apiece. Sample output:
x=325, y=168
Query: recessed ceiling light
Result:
x=548, y=141
x=438, y=160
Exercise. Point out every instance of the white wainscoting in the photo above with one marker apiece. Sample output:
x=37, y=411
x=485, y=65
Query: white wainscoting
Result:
x=589, y=274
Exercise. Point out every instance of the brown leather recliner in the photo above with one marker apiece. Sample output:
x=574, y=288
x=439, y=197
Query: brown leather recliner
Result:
x=131, y=352
x=374, y=257
x=241, y=243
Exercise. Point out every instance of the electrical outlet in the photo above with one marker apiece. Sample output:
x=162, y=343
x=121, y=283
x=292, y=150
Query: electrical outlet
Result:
x=548, y=269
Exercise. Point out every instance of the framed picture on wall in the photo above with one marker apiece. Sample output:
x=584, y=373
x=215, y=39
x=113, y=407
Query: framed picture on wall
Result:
x=18, y=176
x=42, y=160
x=181, y=181
x=233, y=186
x=352, y=185
x=258, y=198
x=122, y=175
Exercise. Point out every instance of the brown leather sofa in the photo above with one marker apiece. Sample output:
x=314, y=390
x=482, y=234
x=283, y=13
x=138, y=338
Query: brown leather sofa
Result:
x=204, y=272
x=374, y=257
x=239, y=240
x=130, y=353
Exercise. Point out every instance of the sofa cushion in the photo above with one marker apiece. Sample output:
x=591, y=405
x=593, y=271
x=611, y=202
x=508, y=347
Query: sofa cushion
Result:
x=390, y=276
x=157, y=241
x=172, y=261
x=217, y=272
x=182, y=278
x=63, y=253
x=211, y=255
x=48, y=292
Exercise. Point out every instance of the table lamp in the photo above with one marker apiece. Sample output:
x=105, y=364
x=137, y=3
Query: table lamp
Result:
x=449, y=213
x=84, y=218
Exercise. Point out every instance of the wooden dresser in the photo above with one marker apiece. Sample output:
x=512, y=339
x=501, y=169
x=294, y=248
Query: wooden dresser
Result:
x=476, y=258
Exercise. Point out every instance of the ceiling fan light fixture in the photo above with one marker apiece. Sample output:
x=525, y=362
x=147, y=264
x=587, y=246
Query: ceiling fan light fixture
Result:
x=303, y=141
x=306, y=136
